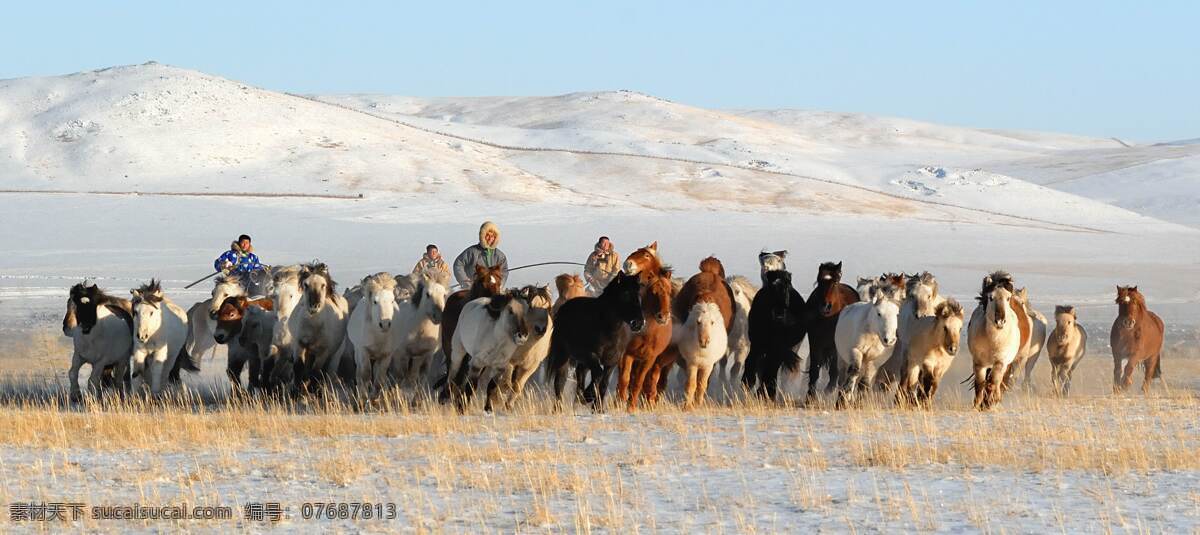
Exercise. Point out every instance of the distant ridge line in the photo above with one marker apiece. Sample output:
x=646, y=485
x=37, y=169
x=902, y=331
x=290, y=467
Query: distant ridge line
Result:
x=1060, y=226
x=187, y=194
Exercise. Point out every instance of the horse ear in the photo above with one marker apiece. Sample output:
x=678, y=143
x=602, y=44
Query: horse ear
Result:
x=839, y=265
x=480, y=271
x=653, y=246
x=136, y=293
x=1133, y=288
x=781, y=254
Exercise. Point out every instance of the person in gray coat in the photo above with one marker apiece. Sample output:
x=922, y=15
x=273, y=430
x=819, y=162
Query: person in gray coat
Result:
x=483, y=254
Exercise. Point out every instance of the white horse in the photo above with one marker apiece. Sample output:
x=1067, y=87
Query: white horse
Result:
x=1065, y=348
x=865, y=337
x=317, y=326
x=1037, y=338
x=731, y=365
x=286, y=294
x=101, y=329
x=931, y=348
x=489, y=331
x=202, y=316
x=160, y=332
x=702, y=342
x=416, y=332
x=369, y=330
x=993, y=338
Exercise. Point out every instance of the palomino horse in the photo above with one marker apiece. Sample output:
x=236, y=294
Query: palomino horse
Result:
x=703, y=340
x=1065, y=348
x=1137, y=338
x=733, y=363
x=101, y=329
x=825, y=303
x=317, y=327
x=592, y=333
x=930, y=350
x=245, y=326
x=707, y=286
x=487, y=283
x=529, y=356
x=993, y=337
x=160, y=334
x=921, y=299
x=569, y=287
x=369, y=331
x=1032, y=349
x=777, y=324
x=416, y=332
x=490, y=330
x=645, y=347
x=865, y=336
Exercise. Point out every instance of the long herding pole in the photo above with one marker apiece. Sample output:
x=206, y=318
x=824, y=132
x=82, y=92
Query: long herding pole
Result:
x=206, y=277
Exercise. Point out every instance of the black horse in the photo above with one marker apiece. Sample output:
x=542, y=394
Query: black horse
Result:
x=825, y=303
x=590, y=333
x=777, y=324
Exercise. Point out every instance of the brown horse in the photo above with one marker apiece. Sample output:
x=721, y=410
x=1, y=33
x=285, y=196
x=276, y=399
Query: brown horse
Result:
x=486, y=283
x=1137, y=338
x=707, y=286
x=569, y=287
x=644, y=348
x=825, y=303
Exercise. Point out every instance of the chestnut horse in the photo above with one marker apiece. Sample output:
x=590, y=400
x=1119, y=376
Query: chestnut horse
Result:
x=825, y=303
x=486, y=284
x=707, y=286
x=645, y=347
x=1136, y=338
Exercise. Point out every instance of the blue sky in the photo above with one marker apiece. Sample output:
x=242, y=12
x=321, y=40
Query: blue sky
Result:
x=1124, y=69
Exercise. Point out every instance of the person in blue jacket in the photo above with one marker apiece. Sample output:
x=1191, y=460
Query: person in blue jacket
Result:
x=240, y=261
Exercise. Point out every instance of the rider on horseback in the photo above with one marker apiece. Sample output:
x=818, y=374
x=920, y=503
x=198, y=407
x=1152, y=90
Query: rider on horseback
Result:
x=240, y=261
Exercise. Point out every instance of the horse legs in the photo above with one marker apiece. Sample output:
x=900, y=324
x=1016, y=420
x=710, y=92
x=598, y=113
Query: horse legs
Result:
x=732, y=375
x=995, y=385
x=750, y=370
x=559, y=374
x=768, y=383
x=831, y=362
x=73, y=376
x=1118, y=379
x=1150, y=364
x=1127, y=374
x=814, y=373
x=662, y=371
x=691, y=372
x=643, y=367
x=702, y=384
x=1027, y=381
x=931, y=387
x=625, y=369
x=980, y=386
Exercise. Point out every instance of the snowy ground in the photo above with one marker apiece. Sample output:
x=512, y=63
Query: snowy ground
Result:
x=1071, y=217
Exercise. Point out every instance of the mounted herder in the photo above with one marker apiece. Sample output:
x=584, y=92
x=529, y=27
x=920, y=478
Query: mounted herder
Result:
x=240, y=261
x=485, y=254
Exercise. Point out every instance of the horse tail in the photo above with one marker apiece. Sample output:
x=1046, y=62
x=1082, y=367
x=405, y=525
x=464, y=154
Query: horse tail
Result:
x=790, y=359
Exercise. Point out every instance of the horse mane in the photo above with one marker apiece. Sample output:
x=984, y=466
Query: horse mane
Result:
x=1135, y=297
x=1064, y=309
x=992, y=281
x=564, y=281
x=925, y=278
x=321, y=270
x=531, y=291
x=379, y=282
x=225, y=278
x=948, y=308
x=744, y=284
x=712, y=265
x=150, y=292
x=97, y=296
x=497, y=303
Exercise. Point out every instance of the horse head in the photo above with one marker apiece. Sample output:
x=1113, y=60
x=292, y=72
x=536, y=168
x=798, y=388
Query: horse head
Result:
x=487, y=281
x=318, y=286
x=706, y=319
x=379, y=296
x=829, y=277
x=772, y=261
x=1130, y=305
x=223, y=288
x=997, y=302
x=950, y=317
x=430, y=297
x=85, y=297
x=883, y=318
x=656, y=299
x=624, y=294
x=644, y=260
x=714, y=266
x=147, y=310
x=229, y=318
x=508, y=309
x=1064, y=318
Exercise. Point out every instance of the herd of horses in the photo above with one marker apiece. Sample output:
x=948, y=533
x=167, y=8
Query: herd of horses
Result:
x=895, y=332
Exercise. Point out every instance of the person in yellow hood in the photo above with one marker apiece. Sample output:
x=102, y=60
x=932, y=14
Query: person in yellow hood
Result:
x=486, y=253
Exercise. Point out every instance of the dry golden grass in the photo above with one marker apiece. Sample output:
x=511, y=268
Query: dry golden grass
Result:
x=535, y=469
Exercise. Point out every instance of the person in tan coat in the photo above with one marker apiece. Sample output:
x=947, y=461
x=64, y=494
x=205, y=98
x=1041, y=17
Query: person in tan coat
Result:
x=602, y=265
